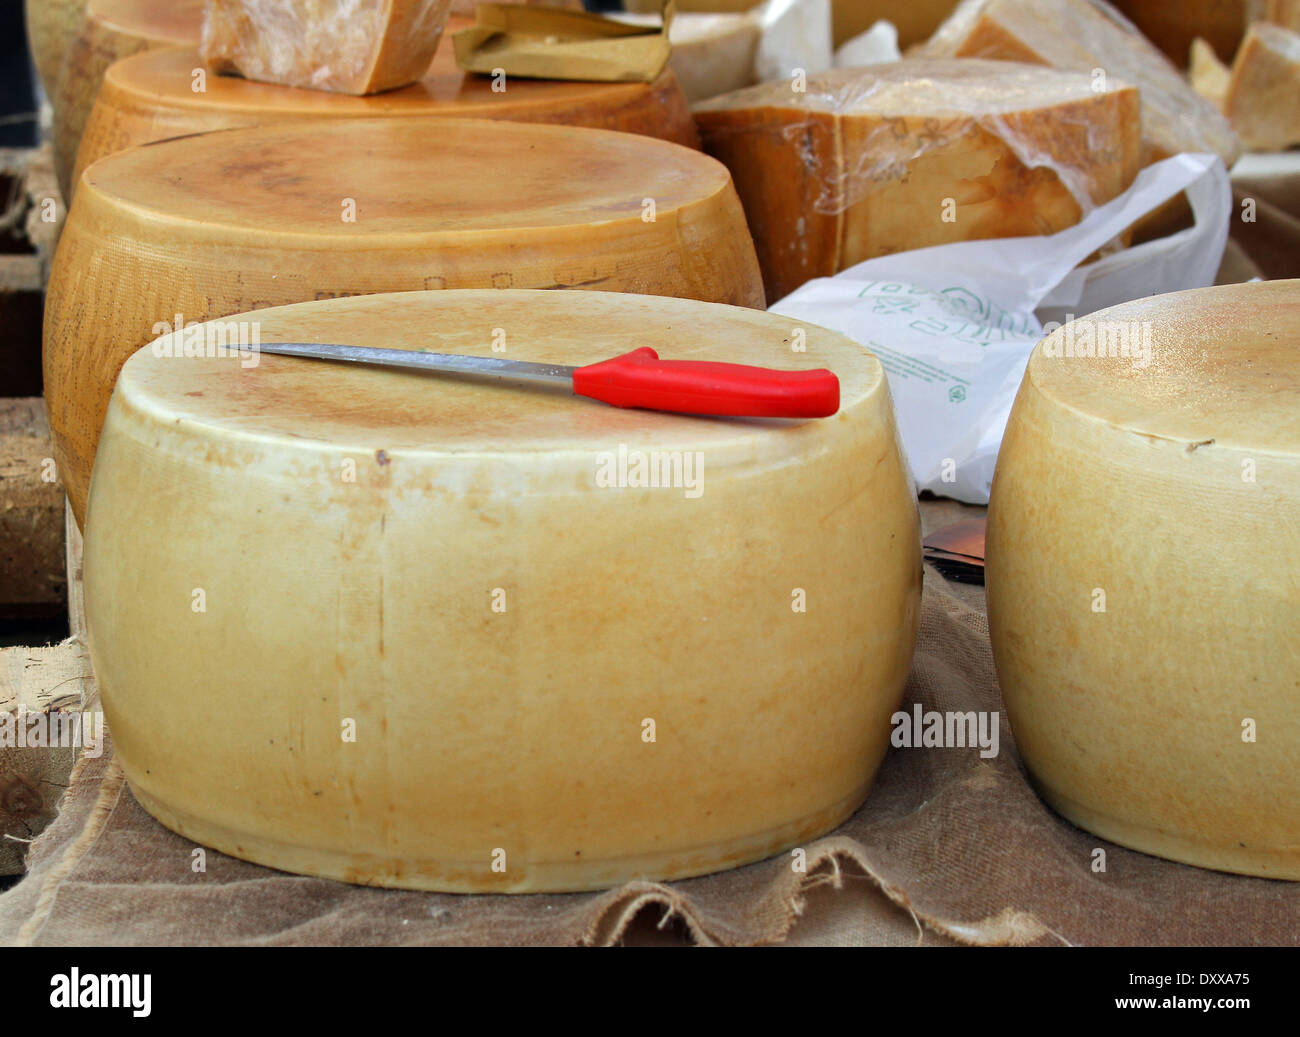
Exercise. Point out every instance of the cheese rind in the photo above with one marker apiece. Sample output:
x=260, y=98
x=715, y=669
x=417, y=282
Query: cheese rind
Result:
x=1080, y=35
x=111, y=30
x=343, y=45
x=149, y=98
x=867, y=162
x=1263, y=96
x=235, y=221
x=1144, y=594
x=545, y=667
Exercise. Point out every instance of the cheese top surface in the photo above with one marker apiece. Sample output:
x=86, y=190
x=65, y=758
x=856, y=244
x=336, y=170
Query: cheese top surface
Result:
x=921, y=86
x=164, y=77
x=1224, y=366
x=485, y=176
x=301, y=404
x=172, y=21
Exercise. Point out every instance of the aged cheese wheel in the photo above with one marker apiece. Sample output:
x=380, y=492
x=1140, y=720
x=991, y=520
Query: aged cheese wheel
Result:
x=258, y=217
x=51, y=25
x=1172, y=25
x=712, y=53
x=1143, y=581
x=1079, y=35
x=540, y=660
x=353, y=48
x=150, y=97
x=111, y=29
x=1263, y=97
x=867, y=162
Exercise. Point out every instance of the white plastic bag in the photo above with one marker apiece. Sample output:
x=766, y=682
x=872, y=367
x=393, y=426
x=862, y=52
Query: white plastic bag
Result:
x=954, y=325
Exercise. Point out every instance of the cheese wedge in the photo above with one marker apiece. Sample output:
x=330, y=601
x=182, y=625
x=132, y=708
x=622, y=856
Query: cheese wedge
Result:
x=1209, y=76
x=475, y=651
x=867, y=162
x=1143, y=582
x=1172, y=25
x=51, y=26
x=258, y=217
x=152, y=97
x=1080, y=35
x=1263, y=96
x=110, y=30
x=343, y=45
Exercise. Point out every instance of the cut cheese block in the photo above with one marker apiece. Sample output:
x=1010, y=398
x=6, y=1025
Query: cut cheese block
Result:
x=343, y=45
x=1143, y=579
x=1285, y=13
x=258, y=217
x=888, y=158
x=111, y=30
x=480, y=647
x=1080, y=35
x=1263, y=96
x=51, y=26
x=712, y=53
x=150, y=97
x=1209, y=76
x=1172, y=25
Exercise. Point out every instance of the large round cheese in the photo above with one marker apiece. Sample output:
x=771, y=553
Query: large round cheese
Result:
x=259, y=217
x=151, y=97
x=432, y=632
x=871, y=161
x=51, y=25
x=110, y=30
x=1143, y=577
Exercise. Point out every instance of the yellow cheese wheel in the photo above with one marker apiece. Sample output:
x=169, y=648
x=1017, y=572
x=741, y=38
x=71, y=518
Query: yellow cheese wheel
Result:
x=867, y=162
x=111, y=29
x=51, y=25
x=445, y=636
x=151, y=97
x=354, y=48
x=1263, y=95
x=1080, y=35
x=268, y=215
x=1143, y=579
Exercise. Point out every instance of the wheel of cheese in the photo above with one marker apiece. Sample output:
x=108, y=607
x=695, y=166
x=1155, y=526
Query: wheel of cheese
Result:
x=150, y=97
x=51, y=25
x=268, y=215
x=1143, y=579
x=423, y=631
x=867, y=162
x=110, y=30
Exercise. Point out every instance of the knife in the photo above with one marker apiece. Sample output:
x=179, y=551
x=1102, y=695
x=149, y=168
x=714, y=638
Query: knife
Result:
x=635, y=379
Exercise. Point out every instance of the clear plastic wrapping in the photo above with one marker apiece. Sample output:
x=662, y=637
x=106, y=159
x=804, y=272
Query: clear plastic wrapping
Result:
x=346, y=46
x=1091, y=36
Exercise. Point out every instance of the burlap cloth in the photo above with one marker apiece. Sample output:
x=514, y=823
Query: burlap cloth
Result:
x=948, y=848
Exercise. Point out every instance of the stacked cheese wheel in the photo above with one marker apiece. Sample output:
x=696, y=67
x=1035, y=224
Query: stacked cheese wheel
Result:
x=866, y=162
x=1143, y=580
x=51, y=25
x=437, y=633
x=153, y=97
x=110, y=30
x=245, y=219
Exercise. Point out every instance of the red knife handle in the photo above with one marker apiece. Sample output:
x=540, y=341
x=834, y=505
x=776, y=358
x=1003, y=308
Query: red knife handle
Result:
x=641, y=379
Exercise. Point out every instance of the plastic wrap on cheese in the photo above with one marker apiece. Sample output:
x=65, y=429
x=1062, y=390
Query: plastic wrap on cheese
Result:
x=345, y=46
x=869, y=161
x=1091, y=36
